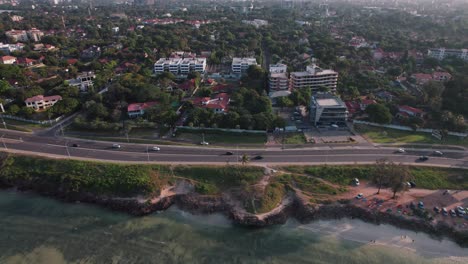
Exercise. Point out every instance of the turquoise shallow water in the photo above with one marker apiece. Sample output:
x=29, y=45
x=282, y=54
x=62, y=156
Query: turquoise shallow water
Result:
x=41, y=230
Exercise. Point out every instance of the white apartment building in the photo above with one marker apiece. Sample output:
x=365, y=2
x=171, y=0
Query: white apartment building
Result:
x=240, y=65
x=278, y=81
x=443, y=53
x=17, y=35
x=9, y=48
x=327, y=109
x=314, y=77
x=40, y=102
x=35, y=34
x=84, y=81
x=179, y=66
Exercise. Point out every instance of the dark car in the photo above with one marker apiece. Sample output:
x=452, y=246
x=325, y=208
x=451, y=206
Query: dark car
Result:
x=75, y=145
x=229, y=153
x=258, y=157
x=436, y=210
x=423, y=158
x=413, y=185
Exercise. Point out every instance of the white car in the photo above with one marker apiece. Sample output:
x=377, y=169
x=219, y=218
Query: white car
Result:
x=204, y=143
x=356, y=181
x=117, y=146
x=155, y=149
x=360, y=196
x=401, y=150
x=438, y=153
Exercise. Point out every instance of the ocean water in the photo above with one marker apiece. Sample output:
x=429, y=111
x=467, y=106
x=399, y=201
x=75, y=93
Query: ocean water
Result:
x=39, y=230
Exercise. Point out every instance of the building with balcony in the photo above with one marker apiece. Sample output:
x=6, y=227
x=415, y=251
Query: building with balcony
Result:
x=315, y=78
x=240, y=65
x=180, y=66
x=17, y=35
x=278, y=81
x=40, y=102
x=327, y=109
x=442, y=53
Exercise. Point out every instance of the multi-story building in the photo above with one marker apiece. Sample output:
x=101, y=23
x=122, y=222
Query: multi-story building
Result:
x=314, y=78
x=40, y=102
x=442, y=53
x=327, y=109
x=278, y=81
x=9, y=48
x=180, y=66
x=17, y=35
x=84, y=81
x=35, y=34
x=240, y=65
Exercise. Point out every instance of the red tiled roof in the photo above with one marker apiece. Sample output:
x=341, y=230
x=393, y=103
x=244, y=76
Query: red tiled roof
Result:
x=140, y=106
x=422, y=76
x=352, y=106
x=437, y=75
x=5, y=58
x=368, y=101
x=410, y=109
x=219, y=101
x=72, y=61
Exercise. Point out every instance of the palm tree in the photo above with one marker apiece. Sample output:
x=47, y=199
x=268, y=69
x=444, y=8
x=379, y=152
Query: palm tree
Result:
x=244, y=159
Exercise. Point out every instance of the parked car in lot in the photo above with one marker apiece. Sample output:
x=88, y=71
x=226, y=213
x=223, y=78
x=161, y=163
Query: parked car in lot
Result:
x=444, y=211
x=356, y=181
x=413, y=185
x=116, y=146
x=453, y=213
x=360, y=196
x=421, y=205
x=436, y=210
x=438, y=153
x=460, y=211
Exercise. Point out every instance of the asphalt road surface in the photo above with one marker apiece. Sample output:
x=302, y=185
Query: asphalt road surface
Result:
x=59, y=147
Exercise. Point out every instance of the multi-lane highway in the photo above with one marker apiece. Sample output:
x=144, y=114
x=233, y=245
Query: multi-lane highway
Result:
x=61, y=147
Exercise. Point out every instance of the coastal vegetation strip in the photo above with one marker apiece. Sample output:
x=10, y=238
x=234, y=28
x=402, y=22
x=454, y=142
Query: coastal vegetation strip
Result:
x=123, y=180
x=425, y=177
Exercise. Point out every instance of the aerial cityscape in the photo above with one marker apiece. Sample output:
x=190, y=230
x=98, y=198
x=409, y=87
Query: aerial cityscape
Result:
x=233, y=131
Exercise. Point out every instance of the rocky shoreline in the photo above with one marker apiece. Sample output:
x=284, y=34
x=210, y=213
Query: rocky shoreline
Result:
x=295, y=208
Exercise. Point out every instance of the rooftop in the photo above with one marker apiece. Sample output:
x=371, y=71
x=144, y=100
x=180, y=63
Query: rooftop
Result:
x=244, y=61
x=328, y=102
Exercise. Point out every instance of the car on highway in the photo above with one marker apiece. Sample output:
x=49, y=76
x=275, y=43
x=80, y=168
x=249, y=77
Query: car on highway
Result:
x=155, y=148
x=401, y=150
x=116, y=146
x=229, y=153
x=204, y=143
x=438, y=153
x=258, y=157
x=423, y=158
x=75, y=145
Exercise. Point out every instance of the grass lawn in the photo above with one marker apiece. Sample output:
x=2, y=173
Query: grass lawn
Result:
x=387, y=135
x=21, y=126
x=295, y=138
x=223, y=138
